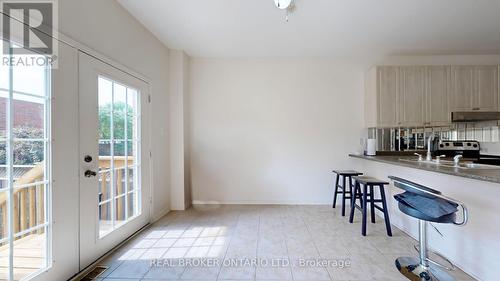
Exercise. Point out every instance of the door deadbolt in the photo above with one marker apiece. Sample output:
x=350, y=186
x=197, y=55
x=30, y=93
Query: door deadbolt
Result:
x=87, y=158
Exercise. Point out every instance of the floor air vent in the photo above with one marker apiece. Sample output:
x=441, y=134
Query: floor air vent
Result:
x=98, y=270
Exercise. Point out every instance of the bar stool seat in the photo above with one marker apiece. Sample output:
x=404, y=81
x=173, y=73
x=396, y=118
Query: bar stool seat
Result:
x=346, y=189
x=347, y=172
x=370, y=180
x=412, y=212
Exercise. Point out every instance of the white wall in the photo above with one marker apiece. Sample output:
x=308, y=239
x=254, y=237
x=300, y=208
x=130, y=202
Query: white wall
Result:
x=179, y=123
x=271, y=130
x=108, y=28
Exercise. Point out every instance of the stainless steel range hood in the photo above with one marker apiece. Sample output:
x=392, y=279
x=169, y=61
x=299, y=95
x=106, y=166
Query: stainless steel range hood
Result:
x=474, y=116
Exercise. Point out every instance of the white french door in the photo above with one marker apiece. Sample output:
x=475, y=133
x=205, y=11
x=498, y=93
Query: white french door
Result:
x=56, y=215
x=38, y=168
x=25, y=186
x=114, y=157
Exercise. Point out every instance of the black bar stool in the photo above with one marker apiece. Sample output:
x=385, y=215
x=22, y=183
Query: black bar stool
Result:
x=367, y=195
x=345, y=190
x=427, y=205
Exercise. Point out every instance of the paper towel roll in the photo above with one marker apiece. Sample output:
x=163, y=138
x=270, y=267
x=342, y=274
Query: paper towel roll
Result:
x=371, y=147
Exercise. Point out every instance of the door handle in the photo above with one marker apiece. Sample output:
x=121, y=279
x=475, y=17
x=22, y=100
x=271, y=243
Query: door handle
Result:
x=89, y=174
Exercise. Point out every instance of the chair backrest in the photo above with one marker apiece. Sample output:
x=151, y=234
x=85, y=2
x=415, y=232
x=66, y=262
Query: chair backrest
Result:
x=429, y=193
x=414, y=187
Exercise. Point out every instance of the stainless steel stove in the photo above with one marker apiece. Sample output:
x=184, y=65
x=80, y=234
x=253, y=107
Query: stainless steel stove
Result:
x=469, y=149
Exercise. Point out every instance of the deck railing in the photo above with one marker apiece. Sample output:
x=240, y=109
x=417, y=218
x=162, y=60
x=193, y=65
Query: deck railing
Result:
x=28, y=202
x=29, y=198
x=120, y=165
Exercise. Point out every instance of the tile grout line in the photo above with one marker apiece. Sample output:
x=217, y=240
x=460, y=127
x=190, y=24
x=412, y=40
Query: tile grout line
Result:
x=229, y=244
x=287, y=252
x=316, y=247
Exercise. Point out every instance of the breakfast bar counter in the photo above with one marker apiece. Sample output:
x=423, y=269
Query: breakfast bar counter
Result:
x=477, y=172
x=474, y=247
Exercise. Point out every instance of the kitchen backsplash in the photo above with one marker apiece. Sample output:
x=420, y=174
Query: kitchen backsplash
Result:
x=487, y=133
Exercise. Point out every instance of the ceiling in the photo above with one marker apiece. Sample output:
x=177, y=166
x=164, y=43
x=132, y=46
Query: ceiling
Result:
x=255, y=28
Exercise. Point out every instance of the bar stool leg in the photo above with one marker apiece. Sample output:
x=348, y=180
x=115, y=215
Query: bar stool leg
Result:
x=386, y=212
x=420, y=268
x=336, y=191
x=372, y=205
x=422, y=237
x=353, y=201
x=364, y=204
x=351, y=189
x=343, y=195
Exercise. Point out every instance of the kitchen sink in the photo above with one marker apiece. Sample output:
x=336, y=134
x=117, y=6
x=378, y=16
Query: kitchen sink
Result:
x=450, y=164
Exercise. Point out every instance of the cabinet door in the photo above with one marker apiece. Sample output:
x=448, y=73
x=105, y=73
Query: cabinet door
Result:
x=412, y=96
x=438, y=84
x=387, y=96
x=463, y=88
x=486, y=88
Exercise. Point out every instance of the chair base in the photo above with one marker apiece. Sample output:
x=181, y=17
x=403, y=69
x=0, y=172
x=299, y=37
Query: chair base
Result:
x=411, y=268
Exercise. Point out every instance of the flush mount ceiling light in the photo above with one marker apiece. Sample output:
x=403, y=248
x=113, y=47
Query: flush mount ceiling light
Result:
x=283, y=4
x=287, y=5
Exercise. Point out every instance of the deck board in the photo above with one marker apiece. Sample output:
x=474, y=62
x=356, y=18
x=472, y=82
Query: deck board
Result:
x=29, y=256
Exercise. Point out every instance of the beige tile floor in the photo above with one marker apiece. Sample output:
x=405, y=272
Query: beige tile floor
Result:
x=232, y=237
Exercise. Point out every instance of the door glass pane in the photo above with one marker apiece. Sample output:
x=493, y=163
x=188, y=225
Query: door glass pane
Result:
x=120, y=181
x=4, y=95
x=29, y=117
x=29, y=253
x=4, y=181
x=104, y=185
x=131, y=178
x=119, y=108
x=104, y=170
x=118, y=145
x=105, y=221
x=132, y=204
x=120, y=210
x=4, y=237
x=28, y=160
x=119, y=154
x=24, y=182
x=35, y=74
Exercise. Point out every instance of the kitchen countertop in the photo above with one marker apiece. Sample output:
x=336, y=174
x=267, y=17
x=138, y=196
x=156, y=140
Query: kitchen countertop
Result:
x=490, y=175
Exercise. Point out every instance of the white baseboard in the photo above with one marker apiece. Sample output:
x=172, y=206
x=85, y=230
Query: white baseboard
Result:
x=213, y=202
x=160, y=215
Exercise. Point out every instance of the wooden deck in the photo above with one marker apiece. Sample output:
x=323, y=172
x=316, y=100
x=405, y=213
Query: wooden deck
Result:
x=29, y=256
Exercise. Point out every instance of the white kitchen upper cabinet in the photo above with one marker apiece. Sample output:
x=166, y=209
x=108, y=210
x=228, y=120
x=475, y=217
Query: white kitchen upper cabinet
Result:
x=412, y=100
x=486, y=88
x=418, y=96
x=388, y=77
x=474, y=88
x=381, y=96
x=437, y=96
x=462, y=82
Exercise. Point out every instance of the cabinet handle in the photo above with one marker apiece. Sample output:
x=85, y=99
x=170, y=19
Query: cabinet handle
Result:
x=475, y=108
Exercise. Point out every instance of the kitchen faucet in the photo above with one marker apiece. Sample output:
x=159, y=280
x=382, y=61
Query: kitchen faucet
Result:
x=429, y=141
x=456, y=160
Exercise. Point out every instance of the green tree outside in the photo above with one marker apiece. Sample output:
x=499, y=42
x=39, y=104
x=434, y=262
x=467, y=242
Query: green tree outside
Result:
x=118, y=128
